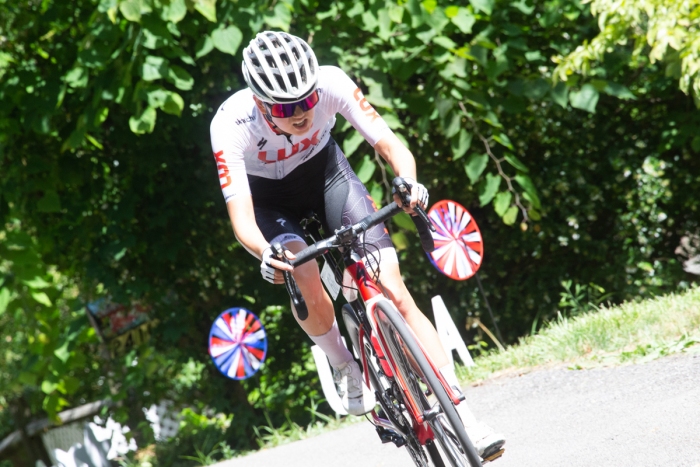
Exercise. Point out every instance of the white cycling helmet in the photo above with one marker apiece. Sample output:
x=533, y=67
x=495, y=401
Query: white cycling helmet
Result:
x=279, y=67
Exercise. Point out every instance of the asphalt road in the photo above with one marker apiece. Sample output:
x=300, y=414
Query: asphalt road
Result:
x=643, y=415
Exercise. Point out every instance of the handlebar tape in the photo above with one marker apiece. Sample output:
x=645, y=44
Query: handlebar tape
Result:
x=426, y=238
x=307, y=254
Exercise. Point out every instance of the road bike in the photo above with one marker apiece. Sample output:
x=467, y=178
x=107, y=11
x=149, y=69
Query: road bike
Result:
x=416, y=405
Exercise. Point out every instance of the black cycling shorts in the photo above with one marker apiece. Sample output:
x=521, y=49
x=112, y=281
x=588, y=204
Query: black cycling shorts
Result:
x=326, y=185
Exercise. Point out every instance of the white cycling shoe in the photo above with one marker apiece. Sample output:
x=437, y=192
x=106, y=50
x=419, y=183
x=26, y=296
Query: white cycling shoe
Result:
x=487, y=442
x=357, y=398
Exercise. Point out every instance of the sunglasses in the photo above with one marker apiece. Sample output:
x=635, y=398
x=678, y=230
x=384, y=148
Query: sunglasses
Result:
x=287, y=110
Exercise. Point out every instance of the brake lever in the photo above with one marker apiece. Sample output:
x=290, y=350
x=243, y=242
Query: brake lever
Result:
x=423, y=225
x=290, y=283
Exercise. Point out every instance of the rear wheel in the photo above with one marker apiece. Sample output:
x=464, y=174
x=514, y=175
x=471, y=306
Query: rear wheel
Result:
x=426, y=390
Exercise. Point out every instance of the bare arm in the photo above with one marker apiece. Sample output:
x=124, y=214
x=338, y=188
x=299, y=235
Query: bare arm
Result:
x=402, y=162
x=240, y=211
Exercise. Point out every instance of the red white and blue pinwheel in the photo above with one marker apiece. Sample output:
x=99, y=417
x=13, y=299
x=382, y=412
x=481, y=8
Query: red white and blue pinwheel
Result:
x=459, y=248
x=237, y=343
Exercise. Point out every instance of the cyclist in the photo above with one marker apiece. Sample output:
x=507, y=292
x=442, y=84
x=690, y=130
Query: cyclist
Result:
x=277, y=160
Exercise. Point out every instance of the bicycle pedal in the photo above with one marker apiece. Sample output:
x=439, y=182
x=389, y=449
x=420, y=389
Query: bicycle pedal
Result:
x=388, y=436
x=494, y=456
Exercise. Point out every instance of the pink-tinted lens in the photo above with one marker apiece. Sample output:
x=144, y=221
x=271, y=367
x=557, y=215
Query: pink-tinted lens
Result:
x=287, y=110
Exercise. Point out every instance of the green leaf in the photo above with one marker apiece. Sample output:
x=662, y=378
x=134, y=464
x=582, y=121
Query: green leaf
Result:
x=489, y=188
x=173, y=104
x=182, y=55
x=400, y=241
x=483, y=5
x=376, y=191
x=62, y=352
x=416, y=13
x=71, y=384
x=50, y=202
x=404, y=221
x=120, y=254
x=492, y=119
x=533, y=199
x=207, y=8
x=392, y=120
x=526, y=183
x=174, y=11
x=536, y=89
x=464, y=20
x=27, y=378
x=619, y=91
x=560, y=94
x=131, y=9
x=281, y=17
x=444, y=41
x=227, y=40
x=170, y=102
x=512, y=160
x=510, y=216
x=143, y=123
x=93, y=141
x=41, y=297
x=204, y=46
x=461, y=144
x=180, y=78
x=475, y=165
x=76, y=78
x=502, y=202
x=351, y=143
x=48, y=386
x=36, y=283
x=154, y=68
x=534, y=214
x=365, y=169
x=476, y=99
x=384, y=24
x=5, y=297
x=504, y=140
x=585, y=99
x=523, y=7
x=454, y=125
x=396, y=13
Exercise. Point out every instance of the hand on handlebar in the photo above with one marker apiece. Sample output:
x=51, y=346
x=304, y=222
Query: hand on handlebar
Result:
x=271, y=268
x=418, y=196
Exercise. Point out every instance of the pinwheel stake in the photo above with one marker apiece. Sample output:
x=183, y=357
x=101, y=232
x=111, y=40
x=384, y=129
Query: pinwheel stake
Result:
x=237, y=343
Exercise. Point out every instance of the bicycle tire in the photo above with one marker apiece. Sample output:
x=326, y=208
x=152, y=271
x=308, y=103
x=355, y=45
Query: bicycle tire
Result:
x=382, y=386
x=447, y=426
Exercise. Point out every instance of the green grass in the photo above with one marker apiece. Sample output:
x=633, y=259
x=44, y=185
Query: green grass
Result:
x=629, y=333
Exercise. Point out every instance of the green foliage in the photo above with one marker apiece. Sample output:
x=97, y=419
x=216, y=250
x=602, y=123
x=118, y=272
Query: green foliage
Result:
x=44, y=328
x=105, y=159
x=583, y=298
x=665, y=31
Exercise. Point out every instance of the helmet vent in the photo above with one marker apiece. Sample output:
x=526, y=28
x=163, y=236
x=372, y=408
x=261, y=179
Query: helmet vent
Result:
x=279, y=67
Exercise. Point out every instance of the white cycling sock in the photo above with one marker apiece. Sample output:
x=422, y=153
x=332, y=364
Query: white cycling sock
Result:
x=468, y=418
x=332, y=346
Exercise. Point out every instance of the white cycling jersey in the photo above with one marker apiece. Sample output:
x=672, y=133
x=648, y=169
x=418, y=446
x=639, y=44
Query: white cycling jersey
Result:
x=245, y=143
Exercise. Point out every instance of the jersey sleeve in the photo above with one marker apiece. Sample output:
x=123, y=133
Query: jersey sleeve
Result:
x=349, y=101
x=228, y=146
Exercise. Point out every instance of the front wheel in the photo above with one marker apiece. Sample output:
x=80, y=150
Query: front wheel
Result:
x=420, y=382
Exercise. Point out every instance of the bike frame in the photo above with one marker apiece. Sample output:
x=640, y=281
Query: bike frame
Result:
x=371, y=293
